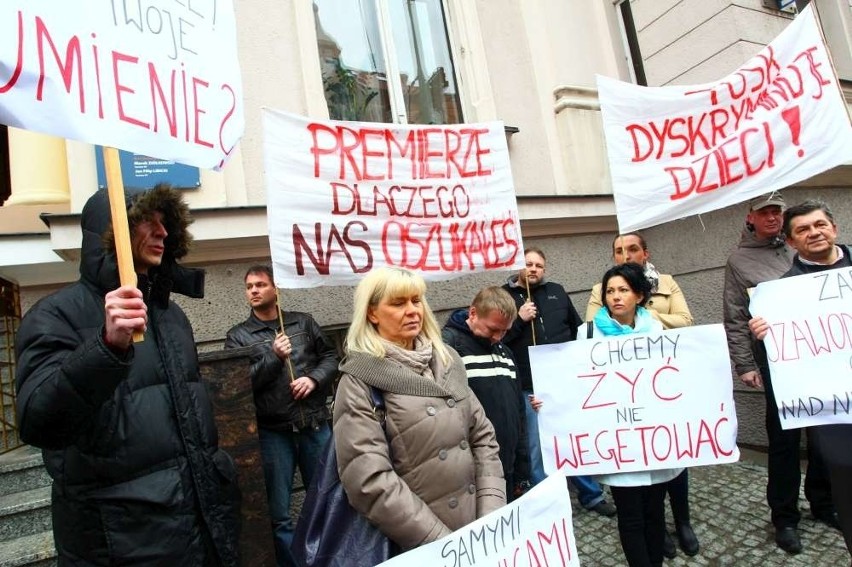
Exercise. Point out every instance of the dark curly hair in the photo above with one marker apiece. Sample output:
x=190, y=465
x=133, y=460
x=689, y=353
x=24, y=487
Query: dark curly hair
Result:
x=162, y=198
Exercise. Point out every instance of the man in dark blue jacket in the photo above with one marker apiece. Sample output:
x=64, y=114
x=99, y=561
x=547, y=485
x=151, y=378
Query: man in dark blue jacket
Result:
x=292, y=372
x=545, y=316
x=127, y=428
x=477, y=334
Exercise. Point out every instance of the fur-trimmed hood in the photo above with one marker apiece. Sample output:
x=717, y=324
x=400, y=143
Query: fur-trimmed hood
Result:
x=98, y=265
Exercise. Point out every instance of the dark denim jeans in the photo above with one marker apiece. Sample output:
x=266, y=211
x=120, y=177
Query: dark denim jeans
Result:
x=281, y=451
x=589, y=491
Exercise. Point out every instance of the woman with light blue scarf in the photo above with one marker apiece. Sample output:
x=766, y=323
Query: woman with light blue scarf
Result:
x=640, y=495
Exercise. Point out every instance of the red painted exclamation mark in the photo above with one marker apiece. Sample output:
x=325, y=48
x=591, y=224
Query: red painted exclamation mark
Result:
x=791, y=117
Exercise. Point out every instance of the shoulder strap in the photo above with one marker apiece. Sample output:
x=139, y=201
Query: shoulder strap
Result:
x=590, y=329
x=378, y=398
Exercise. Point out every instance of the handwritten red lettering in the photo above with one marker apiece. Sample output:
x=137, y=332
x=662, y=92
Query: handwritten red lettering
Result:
x=72, y=59
x=809, y=338
x=422, y=201
x=139, y=92
x=371, y=154
x=726, y=149
x=325, y=247
x=674, y=444
x=670, y=368
x=19, y=62
x=600, y=376
x=450, y=247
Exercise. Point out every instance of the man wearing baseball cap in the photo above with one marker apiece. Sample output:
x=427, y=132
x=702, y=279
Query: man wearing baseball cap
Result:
x=763, y=255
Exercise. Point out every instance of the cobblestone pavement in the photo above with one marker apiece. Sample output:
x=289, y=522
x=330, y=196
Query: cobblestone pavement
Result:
x=730, y=518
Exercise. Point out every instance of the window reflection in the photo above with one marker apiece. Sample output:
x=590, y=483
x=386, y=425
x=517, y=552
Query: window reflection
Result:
x=355, y=73
x=351, y=61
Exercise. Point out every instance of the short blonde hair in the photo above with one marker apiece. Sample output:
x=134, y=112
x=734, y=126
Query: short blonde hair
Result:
x=383, y=283
x=495, y=298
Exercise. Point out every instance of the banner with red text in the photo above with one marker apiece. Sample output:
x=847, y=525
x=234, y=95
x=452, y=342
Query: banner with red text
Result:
x=533, y=531
x=682, y=150
x=809, y=345
x=347, y=197
x=154, y=77
x=636, y=402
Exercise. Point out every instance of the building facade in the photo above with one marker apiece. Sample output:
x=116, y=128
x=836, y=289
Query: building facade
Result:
x=530, y=64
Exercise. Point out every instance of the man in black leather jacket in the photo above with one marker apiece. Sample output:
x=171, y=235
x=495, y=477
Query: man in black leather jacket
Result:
x=292, y=373
x=127, y=429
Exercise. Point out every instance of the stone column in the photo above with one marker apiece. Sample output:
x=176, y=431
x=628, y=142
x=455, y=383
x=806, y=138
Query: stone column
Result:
x=38, y=166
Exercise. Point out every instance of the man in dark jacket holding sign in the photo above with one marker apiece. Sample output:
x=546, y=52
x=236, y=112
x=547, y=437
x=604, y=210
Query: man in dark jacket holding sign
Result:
x=762, y=255
x=127, y=429
x=810, y=229
x=546, y=316
x=292, y=371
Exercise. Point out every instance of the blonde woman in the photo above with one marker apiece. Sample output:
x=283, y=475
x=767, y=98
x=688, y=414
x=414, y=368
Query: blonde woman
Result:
x=435, y=466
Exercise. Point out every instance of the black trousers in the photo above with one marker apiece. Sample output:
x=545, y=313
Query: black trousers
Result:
x=834, y=443
x=782, y=488
x=641, y=523
x=678, y=490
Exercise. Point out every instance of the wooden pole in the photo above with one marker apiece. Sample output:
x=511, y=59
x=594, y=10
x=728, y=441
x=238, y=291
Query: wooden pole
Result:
x=120, y=228
x=281, y=323
x=529, y=298
x=289, y=361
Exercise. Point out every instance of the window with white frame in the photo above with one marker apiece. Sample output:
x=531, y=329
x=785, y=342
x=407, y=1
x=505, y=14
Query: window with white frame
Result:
x=387, y=61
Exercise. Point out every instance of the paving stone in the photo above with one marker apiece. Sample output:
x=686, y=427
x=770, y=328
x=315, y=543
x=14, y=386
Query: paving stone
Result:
x=731, y=520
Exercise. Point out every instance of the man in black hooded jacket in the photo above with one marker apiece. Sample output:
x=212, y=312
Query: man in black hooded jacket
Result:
x=127, y=429
x=477, y=335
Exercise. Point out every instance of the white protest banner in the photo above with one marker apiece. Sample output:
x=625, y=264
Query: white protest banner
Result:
x=532, y=531
x=809, y=345
x=636, y=402
x=155, y=77
x=682, y=150
x=346, y=197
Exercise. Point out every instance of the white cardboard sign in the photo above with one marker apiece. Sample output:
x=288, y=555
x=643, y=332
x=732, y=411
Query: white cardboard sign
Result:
x=636, y=402
x=155, y=77
x=532, y=531
x=809, y=345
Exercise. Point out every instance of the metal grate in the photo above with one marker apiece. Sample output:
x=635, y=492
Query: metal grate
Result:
x=10, y=318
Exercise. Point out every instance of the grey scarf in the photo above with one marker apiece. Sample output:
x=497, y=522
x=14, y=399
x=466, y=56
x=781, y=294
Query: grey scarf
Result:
x=653, y=276
x=418, y=359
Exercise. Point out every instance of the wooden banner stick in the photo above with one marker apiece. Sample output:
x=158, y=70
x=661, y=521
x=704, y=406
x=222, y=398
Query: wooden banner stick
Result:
x=281, y=323
x=289, y=360
x=529, y=298
x=120, y=228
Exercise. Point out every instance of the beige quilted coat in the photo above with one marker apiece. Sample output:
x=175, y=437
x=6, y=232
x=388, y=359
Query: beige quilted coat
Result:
x=446, y=470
